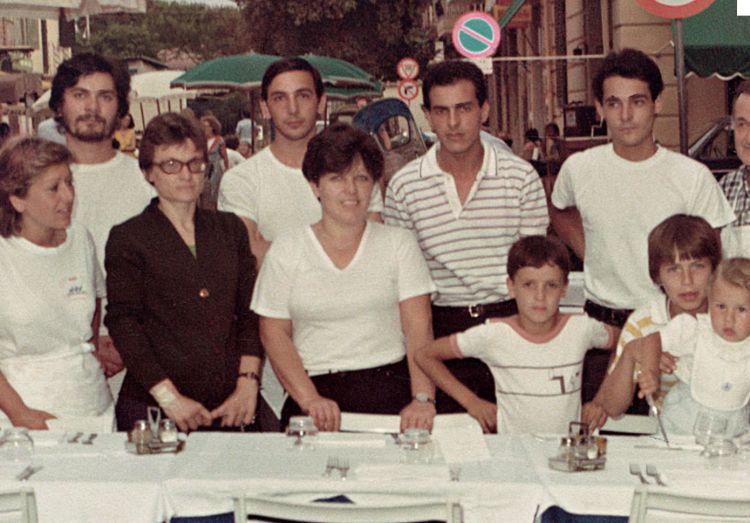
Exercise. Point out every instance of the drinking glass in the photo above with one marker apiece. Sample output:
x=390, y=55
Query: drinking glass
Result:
x=301, y=427
x=417, y=446
x=709, y=425
x=16, y=445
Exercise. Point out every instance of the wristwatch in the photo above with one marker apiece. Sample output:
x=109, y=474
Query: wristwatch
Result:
x=422, y=397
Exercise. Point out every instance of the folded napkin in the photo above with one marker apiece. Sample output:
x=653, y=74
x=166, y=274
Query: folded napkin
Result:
x=460, y=438
x=401, y=471
x=74, y=424
x=351, y=440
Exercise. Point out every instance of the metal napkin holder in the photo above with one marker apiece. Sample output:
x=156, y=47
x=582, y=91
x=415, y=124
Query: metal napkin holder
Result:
x=580, y=450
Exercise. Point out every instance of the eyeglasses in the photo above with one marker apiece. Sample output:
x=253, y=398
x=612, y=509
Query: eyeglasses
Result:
x=174, y=166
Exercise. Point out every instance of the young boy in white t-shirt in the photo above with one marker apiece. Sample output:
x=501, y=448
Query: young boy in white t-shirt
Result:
x=714, y=355
x=683, y=252
x=535, y=356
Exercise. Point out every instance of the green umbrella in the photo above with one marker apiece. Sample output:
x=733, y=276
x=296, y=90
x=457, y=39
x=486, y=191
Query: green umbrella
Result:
x=240, y=71
x=245, y=72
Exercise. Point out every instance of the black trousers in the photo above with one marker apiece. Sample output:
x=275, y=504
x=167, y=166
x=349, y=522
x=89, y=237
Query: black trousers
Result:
x=470, y=371
x=378, y=390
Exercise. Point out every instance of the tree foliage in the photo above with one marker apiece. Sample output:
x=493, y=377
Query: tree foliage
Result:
x=193, y=30
x=373, y=34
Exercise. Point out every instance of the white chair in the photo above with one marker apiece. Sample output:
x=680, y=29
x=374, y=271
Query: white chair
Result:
x=18, y=506
x=684, y=507
x=299, y=507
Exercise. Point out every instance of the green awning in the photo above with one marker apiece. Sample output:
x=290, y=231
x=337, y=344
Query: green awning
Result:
x=511, y=12
x=717, y=41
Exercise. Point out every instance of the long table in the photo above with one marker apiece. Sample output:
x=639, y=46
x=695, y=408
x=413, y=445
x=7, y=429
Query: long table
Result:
x=102, y=482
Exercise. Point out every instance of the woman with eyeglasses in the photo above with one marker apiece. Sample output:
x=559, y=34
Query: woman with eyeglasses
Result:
x=179, y=280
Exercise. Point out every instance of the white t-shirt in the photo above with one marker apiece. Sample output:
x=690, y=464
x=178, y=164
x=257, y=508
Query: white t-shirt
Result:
x=537, y=378
x=48, y=299
x=107, y=194
x=234, y=157
x=343, y=319
x=620, y=203
x=276, y=197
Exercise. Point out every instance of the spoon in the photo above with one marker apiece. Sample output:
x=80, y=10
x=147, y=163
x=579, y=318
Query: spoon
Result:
x=90, y=439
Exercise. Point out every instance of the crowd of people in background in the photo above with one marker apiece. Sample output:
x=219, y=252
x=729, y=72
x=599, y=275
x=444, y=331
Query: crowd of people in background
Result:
x=233, y=291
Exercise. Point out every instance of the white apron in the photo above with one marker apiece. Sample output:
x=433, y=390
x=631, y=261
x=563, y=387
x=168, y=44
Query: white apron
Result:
x=67, y=382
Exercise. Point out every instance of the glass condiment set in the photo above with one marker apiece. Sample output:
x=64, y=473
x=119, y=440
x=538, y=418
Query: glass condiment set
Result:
x=580, y=450
x=155, y=434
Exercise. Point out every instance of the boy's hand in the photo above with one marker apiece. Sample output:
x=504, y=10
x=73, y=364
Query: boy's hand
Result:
x=593, y=415
x=667, y=363
x=648, y=383
x=485, y=413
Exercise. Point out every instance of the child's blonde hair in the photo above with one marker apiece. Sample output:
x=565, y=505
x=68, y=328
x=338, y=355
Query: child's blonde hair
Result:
x=735, y=271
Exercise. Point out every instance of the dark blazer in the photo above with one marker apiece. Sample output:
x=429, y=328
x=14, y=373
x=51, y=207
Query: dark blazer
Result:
x=173, y=315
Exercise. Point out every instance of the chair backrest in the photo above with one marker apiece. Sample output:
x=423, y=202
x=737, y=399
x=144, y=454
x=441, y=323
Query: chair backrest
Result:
x=685, y=506
x=296, y=508
x=18, y=506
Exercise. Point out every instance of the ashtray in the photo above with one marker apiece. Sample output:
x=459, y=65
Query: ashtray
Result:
x=576, y=464
x=156, y=447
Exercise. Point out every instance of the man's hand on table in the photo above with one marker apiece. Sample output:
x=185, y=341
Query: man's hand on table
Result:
x=108, y=356
x=325, y=413
x=593, y=415
x=239, y=408
x=417, y=415
x=485, y=412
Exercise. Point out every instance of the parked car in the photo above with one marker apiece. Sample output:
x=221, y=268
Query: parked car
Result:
x=715, y=148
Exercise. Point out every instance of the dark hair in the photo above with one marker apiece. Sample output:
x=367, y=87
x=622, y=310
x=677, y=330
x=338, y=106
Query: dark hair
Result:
x=532, y=134
x=286, y=65
x=169, y=129
x=131, y=123
x=742, y=88
x=85, y=64
x=629, y=63
x=448, y=73
x=335, y=149
x=21, y=160
x=538, y=251
x=232, y=141
x=552, y=126
x=690, y=237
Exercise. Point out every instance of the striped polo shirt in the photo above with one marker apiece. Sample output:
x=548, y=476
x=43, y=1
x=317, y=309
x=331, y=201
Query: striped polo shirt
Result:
x=466, y=247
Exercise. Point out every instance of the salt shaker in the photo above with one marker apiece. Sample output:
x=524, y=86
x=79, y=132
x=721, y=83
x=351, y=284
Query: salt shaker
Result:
x=167, y=431
x=141, y=435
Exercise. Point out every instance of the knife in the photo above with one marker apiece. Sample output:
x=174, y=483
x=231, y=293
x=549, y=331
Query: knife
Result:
x=28, y=472
x=655, y=411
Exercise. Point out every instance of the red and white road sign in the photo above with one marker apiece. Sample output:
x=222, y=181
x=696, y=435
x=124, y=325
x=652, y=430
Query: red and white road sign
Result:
x=408, y=89
x=476, y=35
x=675, y=8
x=407, y=68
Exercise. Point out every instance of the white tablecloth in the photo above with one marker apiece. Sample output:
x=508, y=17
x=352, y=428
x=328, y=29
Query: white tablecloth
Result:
x=101, y=482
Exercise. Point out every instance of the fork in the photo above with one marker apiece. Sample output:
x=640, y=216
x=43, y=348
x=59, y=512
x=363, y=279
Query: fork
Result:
x=343, y=467
x=651, y=471
x=331, y=463
x=635, y=470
